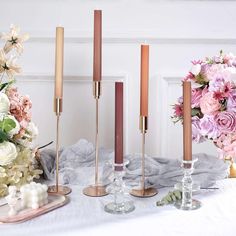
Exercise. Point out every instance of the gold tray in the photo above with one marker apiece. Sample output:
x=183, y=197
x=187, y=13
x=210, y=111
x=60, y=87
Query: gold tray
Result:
x=54, y=201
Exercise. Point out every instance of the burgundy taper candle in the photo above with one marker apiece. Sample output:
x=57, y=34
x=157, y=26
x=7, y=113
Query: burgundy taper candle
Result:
x=97, y=46
x=118, y=124
x=187, y=121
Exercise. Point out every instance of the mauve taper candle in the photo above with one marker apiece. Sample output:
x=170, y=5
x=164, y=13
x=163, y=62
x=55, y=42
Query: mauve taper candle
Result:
x=144, y=80
x=118, y=124
x=187, y=121
x=97, y=46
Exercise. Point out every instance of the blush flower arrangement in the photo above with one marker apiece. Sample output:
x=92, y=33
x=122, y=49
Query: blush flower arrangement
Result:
x=213, y=102
x=17, y=131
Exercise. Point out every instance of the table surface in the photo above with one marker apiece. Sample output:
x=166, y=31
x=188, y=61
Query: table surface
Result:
x=85, y=216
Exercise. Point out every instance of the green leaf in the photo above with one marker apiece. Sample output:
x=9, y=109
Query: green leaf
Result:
x=7, y=125
x=3, y=136
x=4, y=85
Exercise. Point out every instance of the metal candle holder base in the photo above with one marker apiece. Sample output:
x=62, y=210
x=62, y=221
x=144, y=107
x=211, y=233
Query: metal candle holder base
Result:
x=58, y=188
x=96, y=190
x=64, y=190
x=143, y=192
x=120, y=205
x=149, y=192
x=187, y=202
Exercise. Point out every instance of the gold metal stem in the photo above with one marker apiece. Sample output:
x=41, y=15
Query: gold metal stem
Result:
x=143, y=162
x=142, y=191
x=57, y=153
x=96, y=142
x=96, y=190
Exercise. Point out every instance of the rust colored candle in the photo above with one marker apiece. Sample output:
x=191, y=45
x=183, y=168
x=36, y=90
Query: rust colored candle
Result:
x=59, y=62
x=187, y=121
x=118, y=125
x=97, y=44
x=144, y=80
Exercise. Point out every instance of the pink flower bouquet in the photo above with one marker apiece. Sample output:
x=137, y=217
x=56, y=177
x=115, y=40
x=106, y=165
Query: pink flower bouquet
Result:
x=213, y=102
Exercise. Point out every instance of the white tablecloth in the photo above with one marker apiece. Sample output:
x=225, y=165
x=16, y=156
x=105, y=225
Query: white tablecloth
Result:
x=85, y=216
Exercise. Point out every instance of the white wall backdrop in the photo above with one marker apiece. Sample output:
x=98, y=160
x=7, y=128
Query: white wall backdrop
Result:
x=177, y=31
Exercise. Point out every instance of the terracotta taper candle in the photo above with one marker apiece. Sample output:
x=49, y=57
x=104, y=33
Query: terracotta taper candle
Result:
x=187, y=122
x=144, y=80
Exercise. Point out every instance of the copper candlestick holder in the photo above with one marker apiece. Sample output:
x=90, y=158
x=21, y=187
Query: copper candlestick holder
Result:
x=143, y=191
x=96, y=190
x=58, y=188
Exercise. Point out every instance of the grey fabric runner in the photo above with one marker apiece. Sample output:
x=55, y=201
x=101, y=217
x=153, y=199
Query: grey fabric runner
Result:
x=77, y=167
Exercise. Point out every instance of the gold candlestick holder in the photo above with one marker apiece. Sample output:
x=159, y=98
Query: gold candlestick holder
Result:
x=96, y=190
x=143, y=192
x=58, y=188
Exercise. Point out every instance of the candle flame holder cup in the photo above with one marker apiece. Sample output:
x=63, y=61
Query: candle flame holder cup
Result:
x=143, y=192
x=188, y=203
x=118, y=189
x=96, y=190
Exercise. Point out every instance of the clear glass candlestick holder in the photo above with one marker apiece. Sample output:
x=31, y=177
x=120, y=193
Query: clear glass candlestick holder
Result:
x=187, y=202
x=120, y=204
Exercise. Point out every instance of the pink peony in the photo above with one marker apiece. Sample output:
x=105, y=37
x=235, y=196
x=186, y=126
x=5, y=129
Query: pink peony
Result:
x=231, y=103
x=196, y=134
x=226, y=121
x=208, y=127
x=196, y=96
x=227, y=145
x=209, y=105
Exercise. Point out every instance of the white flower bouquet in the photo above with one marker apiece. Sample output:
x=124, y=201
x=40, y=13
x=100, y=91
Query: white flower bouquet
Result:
x=17, y=131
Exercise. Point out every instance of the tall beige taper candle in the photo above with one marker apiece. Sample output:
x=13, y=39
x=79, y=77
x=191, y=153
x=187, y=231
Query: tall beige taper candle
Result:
x=59, y=62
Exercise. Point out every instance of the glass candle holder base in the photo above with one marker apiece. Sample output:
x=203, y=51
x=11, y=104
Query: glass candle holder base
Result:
x=195, y=187
x=120, y=208
x=95, y=191
x=144, y=193
x=194, y=206
x=64, y=190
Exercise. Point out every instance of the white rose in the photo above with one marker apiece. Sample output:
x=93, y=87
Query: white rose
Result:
x=4, y=103
x=195, y=70
x=8, y=153
x=16, y=129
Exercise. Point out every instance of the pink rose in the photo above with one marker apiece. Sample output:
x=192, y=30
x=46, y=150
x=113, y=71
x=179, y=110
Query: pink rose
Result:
x=226, y=121
x=209, y=105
